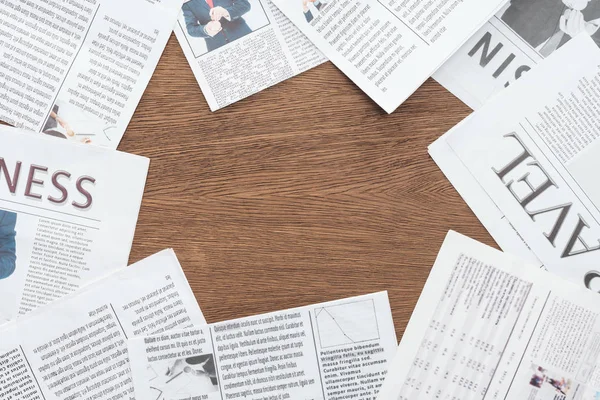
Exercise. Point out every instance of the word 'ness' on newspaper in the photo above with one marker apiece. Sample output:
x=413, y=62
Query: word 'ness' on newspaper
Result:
x=525, y=163
x=489, y=326
x=334, y=350
x=77, y=69
x=68, y=213
x=76, y=347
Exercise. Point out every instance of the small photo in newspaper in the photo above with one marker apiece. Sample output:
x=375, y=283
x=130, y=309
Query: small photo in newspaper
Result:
x=211, y=24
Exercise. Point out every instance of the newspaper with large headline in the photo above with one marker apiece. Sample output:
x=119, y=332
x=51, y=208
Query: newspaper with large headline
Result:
x=513, y=42
x=68, y=213
x=525, y=162
x=489, y=326
x=76, y=348
x=237, y=48
x=335, y=350
x=76, y=69
x=388, y=47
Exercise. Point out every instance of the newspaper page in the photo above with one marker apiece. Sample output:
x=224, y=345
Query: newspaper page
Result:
x=336, y=350
x=68, y=213
x=477, y=199
x=513, y=42
x=533, y=150
x=388, y=47
x=489, y=326
x=76, y=348
x=77, y=69
x=237, y=48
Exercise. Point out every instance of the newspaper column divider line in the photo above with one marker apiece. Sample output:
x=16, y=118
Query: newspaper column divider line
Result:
x=31, y=369
x=527, y=346
x=506, y=344
x=312, y=330
x=71, y=66
x=212, y=343
x=117, y=317
x=403, y=23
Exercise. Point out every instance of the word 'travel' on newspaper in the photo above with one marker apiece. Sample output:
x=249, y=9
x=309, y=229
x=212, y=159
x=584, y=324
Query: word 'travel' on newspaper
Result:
x=388, y=47
x=237, y=48
x=513, y=42
x=334, y=350
x=77, y=69
x=76, y=348
x=525, y=163
x=68, y=213
x=489, y=326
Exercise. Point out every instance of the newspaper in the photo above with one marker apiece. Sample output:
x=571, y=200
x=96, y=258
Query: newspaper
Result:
x=76, y=348
x=531, y=153
x=489, y=326
x=77, y=69
x=513, y=42
x=237, y=48
x=67, y=216
x=334, y=350
x=388, y=47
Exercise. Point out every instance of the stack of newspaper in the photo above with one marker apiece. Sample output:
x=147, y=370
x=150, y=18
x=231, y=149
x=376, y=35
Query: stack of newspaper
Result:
x=76, y=324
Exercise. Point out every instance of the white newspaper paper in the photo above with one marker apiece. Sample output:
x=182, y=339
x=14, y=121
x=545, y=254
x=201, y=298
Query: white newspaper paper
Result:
x=489, y=326
x=531, y=152
x=77, y=69
x=76, y=348
x=67, y=216
x=237, y=48
x=335, y=350
x=388, y=47
x=513, y=42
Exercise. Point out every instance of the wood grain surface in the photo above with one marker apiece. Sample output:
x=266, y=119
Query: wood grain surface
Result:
x=305, y=192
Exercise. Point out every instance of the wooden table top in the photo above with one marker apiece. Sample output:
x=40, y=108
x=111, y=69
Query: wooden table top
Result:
x=303, y=193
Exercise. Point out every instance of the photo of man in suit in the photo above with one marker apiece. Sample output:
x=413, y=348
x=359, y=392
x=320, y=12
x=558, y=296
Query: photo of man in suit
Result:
x=8, y=247
x=219, y=22
x=548, y=24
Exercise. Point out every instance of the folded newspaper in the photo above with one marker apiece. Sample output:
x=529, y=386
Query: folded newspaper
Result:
x=388, y=47
x=68, y=213
x=76, y=348
x=335, y=350
x=77, y=69
x=513, y=42
x=490, y=326
x=526, y=161
x=237, y=48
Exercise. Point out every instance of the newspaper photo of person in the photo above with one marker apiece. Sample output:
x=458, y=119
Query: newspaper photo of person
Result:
x=549, y=384
x=548, y=24
x=56, y=125
x=211, y=24
x=8, y=245
x=308, y=13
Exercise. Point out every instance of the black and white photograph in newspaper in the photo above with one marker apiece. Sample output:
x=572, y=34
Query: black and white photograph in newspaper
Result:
x=170, y=380
x=548, y=24
x=211, y=24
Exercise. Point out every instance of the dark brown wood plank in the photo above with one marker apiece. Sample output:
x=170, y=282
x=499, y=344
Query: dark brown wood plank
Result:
x=306, y=192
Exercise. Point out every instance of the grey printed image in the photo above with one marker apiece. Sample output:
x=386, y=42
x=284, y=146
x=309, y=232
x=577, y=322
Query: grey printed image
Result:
x=212, y=24
x=183, y=378
x=548, y=24
x=8, y=245
x=311, y=8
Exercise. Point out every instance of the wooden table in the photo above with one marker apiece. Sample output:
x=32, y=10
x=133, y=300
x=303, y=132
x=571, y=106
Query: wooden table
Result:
x=303, y=193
